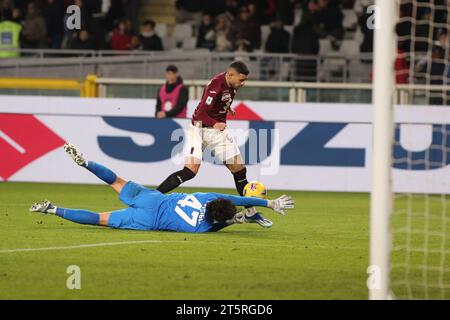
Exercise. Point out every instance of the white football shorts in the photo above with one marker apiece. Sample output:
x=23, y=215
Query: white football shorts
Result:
x=221, y=143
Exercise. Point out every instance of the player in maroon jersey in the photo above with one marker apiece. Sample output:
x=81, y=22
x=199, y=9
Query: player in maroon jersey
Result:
x=209, y=129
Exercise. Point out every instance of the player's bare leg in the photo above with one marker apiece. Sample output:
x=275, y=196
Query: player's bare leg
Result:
x=102, y=172
x=191, y=167
x=193, y=164
x=118, y=184
x=104, y=218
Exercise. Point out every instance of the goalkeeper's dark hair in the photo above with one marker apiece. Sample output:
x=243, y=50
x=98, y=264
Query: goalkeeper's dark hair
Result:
x=220, y=210
x=240, y=67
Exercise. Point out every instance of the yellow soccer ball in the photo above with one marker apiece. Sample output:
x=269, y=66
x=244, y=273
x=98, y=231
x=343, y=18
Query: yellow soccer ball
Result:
x=255, y=189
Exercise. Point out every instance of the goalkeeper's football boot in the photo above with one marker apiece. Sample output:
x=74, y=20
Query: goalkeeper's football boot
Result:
x=252, y=216
x=259, y=219
x=43, y=206
x=75, y=154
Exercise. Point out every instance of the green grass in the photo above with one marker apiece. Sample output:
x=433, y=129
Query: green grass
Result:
x=318, y=251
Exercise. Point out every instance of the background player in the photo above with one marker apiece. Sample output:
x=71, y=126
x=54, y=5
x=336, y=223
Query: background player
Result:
x=209, y=129
x=151, y=210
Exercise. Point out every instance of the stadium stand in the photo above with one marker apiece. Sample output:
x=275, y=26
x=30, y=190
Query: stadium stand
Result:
x=332, y=43
x=102, y=18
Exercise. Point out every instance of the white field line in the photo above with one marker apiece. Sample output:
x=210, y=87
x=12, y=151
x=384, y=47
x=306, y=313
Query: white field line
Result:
x=109, y=244
x=101, y=244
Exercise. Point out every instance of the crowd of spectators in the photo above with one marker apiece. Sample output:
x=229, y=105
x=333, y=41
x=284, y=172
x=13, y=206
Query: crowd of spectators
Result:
x=222, y=25
x=424, y=46
x=105, y=24
x=236, y=26
x=423, y=41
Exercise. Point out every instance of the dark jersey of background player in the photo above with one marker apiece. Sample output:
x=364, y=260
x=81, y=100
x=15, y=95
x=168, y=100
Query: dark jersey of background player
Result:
x=215, y=103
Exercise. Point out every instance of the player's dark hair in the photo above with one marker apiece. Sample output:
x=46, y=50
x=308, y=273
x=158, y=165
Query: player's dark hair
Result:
x=240, y=67
x=149, y=22
x=172, y=68
x=220, y=210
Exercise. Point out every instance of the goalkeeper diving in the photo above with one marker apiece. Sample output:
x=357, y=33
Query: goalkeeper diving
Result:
x=150, y=209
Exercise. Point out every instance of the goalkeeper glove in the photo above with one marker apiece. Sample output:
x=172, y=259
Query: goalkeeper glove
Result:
x=283, y=202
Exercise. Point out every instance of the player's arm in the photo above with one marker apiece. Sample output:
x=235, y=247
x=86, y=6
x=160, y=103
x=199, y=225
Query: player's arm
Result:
x=158, y=106
x=245, y=201
x=220, y=225
x=238, y=218
x=278, y=205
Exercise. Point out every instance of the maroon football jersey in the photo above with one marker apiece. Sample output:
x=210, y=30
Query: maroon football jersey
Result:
x=215, y=103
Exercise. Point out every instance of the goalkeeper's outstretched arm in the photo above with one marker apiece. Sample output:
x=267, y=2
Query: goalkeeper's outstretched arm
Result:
x=278, y=205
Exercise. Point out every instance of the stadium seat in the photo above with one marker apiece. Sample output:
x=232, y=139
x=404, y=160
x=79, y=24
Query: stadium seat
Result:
x=285, y=69
x=289, y=29
x=349, y=48
x=350, y=19
x=325, y=46
x=161, y=30
x=334, y=61
x=169, y=43
x=182, y=31
x=359, y=72
x=298, y=15
x=265, y=31
x=359, y=37
x=189, y=43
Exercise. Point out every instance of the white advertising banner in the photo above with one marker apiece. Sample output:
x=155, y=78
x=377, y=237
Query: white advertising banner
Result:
x=321, y=147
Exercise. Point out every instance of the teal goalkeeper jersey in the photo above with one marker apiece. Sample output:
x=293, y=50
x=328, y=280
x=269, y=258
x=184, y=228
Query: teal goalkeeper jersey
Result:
x=186, y=212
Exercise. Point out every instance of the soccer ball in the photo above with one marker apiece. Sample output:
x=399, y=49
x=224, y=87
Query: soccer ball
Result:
x=255, y=189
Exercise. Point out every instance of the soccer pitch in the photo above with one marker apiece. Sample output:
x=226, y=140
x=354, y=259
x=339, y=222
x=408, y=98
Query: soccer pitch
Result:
x=317, y=251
